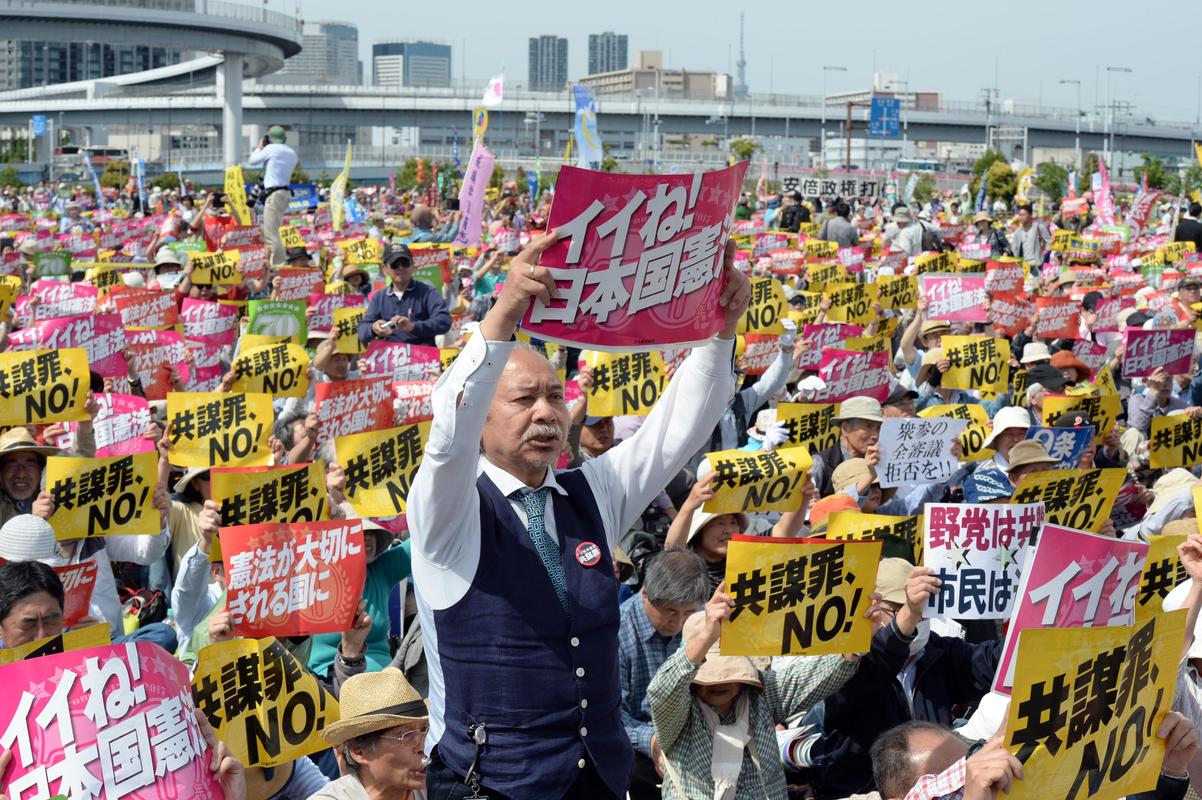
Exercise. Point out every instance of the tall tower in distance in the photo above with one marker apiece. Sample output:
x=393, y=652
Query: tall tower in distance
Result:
x=741, y=64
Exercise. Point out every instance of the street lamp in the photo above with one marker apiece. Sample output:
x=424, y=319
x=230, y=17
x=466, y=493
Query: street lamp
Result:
x=825, y=70
x=1063, y=81
x=1109, y=133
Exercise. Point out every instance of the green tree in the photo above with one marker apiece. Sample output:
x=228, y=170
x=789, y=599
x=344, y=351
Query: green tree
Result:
x=924, y=190
x=1153, y=167
x=299, y=175
x=1174, y=184
x=744, y=148
x=498, y=177
x=610, y=164
x=1050, y=178
x=1088, y=168
x=167, y=180
x=9, y=177
x=987, y=160
x=116, y=174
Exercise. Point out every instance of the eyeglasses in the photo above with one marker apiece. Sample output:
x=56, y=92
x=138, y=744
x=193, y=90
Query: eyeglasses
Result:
x=411, y=739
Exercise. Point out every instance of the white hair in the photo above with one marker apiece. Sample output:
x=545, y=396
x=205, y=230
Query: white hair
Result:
x=1035, y=389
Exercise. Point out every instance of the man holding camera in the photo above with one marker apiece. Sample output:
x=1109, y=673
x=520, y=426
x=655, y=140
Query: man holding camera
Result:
x=407, y=310
x=278, y=160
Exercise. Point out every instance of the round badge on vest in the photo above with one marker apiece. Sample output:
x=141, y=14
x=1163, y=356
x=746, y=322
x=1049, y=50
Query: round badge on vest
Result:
x=588, y=554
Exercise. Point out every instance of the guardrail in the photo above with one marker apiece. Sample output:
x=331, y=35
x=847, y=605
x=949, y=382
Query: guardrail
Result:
x=214, y=8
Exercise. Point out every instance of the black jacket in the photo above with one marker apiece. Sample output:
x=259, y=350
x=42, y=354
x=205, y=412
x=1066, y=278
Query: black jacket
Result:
x=949, y=672
x=1189, y=230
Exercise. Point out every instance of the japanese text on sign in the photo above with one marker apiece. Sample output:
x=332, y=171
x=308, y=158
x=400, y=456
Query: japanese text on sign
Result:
x=103, y=496
x=380, y=466
x=917, y=450
x=207, y=428
x=757, y=481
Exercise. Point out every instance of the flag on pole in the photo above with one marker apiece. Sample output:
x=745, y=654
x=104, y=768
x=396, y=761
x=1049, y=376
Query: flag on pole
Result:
x=589, y=152
x=338, y=191
x=495, y=92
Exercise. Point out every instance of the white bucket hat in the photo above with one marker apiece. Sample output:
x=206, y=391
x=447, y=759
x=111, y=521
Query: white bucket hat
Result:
x=1006, y=419
x=1035, y=351
x=29, y=538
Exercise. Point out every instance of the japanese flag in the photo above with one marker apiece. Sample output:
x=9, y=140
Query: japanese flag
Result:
x=495, y=91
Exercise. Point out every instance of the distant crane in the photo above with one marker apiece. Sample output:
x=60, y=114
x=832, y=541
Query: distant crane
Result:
x=741, y=64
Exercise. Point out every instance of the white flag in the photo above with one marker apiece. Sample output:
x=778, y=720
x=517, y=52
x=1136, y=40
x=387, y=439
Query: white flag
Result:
x=495, y=91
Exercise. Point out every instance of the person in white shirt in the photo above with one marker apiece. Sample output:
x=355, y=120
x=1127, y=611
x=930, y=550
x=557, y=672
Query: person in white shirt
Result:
x=278, y=160
x=511, y=559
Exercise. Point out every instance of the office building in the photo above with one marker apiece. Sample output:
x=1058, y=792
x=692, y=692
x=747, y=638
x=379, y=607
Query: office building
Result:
x=606, y=52
x=649, y=78
x=548, y=63
x=411, y=63
x=329, y=55
x=24, y=64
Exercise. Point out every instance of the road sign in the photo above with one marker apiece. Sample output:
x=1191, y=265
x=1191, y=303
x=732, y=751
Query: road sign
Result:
x=885, y=119
x=39, y=124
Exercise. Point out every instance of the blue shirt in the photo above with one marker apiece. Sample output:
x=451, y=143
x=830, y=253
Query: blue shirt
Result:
x=420, y=302
x=641, y=652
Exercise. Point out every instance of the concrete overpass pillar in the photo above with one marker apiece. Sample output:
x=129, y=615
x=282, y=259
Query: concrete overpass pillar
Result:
x=229, y=89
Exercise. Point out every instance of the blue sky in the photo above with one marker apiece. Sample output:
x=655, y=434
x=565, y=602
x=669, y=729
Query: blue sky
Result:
x=950, y=47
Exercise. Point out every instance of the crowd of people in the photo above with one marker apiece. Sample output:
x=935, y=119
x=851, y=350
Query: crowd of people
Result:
x=544, y=619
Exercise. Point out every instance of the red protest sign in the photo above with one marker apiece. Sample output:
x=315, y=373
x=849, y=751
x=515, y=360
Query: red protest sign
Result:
x=1005, y=276
x=1010, y=313
x=345, y=407
x=1059, y=318
x=1148, y=350
x=323, y=306
x=293, y=579
x=641, y=268
x=297, y=283
x=79, y=580
x=146, y=308
x=759, y=351
x=413, y=399
x=848, y=373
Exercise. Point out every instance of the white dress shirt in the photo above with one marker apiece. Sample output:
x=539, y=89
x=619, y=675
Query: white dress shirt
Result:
x=280, y=159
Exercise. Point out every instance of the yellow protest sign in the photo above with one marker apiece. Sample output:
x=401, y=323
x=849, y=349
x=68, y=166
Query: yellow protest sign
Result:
x=901, y=536
x=766, y=308
x=798, y=597
x=216, y=269
x=281, y=370
x=251, y=341
x=1175, y=251
x=39, y=386
x=288, y=493
x=264, y=705
x=291, y=237
x=346, y=330
x=10, y=287
x=447, y=356
x=818, y=248
x=937, y=262
x=1163, y=571
x=379, y=467
x=821, y=274
x=625, y=383
x=80, y=639
x=868, y=344
x=235, y=194
x=1176, y=441
x=972, y=441
x=1086, y=704
x=809, y=424
x=1074, y=498
x=103, y=496
x=219, y=429
x=364, y=250
x=757, y=480
x=896, y=292
x=850, y=302
x=977, y=362
x=1104, y=381
x=1102, y=409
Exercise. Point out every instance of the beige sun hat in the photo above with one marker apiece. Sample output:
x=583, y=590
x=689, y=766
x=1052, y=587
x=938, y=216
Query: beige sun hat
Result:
x=1168, y=486
x=192, y=473
x=1029, y=451
x=20, y=439
x=866, y=408
x=891, y=575
x=718, y=668
x=703, y=518
x=375, y=701
x=1006, y=419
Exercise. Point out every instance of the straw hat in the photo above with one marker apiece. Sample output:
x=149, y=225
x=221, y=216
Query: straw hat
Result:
x=891, y=578
x=703, y=518
x=982, y=216
x=375, y=701
x=932, y=326
x=850, y=472
x=763, y=421
x=192, y=472
x=21, y=440
x=29, y=246
x=354, y=269
x=1008, y=418
x=930, y=361
x=1029, y=451
x=716, y=669
x=28, y=538
x=865, y=408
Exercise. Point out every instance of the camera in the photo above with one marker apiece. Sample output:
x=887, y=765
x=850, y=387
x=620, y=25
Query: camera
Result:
x=390, y=326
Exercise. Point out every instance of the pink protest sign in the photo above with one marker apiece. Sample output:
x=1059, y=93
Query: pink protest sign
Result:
x=400, y=361
x=50, y=299
x=1148, y=350
x=413, y=400
x=1092, y=354
x=152, y=353
x=323, y=306
x=1073, y=579
x=956, y=298
x=1107, y=313
x=820, y=337
x=471, y=194
x=209, y=323
x=102, y=335
x=107, y=722
x=297, y=283
x=848, y=373
x=120, y=424
x=639, y=259
x=207, y=367
x=765, y=243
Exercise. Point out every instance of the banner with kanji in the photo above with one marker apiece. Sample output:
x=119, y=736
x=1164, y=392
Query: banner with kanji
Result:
x=1059, y=318
x=955, y=298
x=281, y=370
x=809, y=424
x=1066, y=445
x=285, y=493
x=210, y=323
x=625, y=383
x=103, y=496
x=798, y=596
x=847, y=373
x=895, y=292
x=1086, y=706
x=972, y=439
x=901, y=536
x=216, y=428
x=1073, y=579
x=215, y=269
x=977, y=362
x=1148, y=350
x=766, y=308
x=114, y=722
x=354, y=406
x=978, y=552
x=379, y=467
x=414, y=400
x=263, y=704
x=1175, y=441
x=639, y=258
x=917, y=450
x=399, y=361
x=1101, y=409
x=79, y=581
x=757, y=480
x=120, y=425
x=146, y=308
x=346, y=330
x=1163, y=571
x=40, y=386
x=1075, y=498
x=293, y=579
